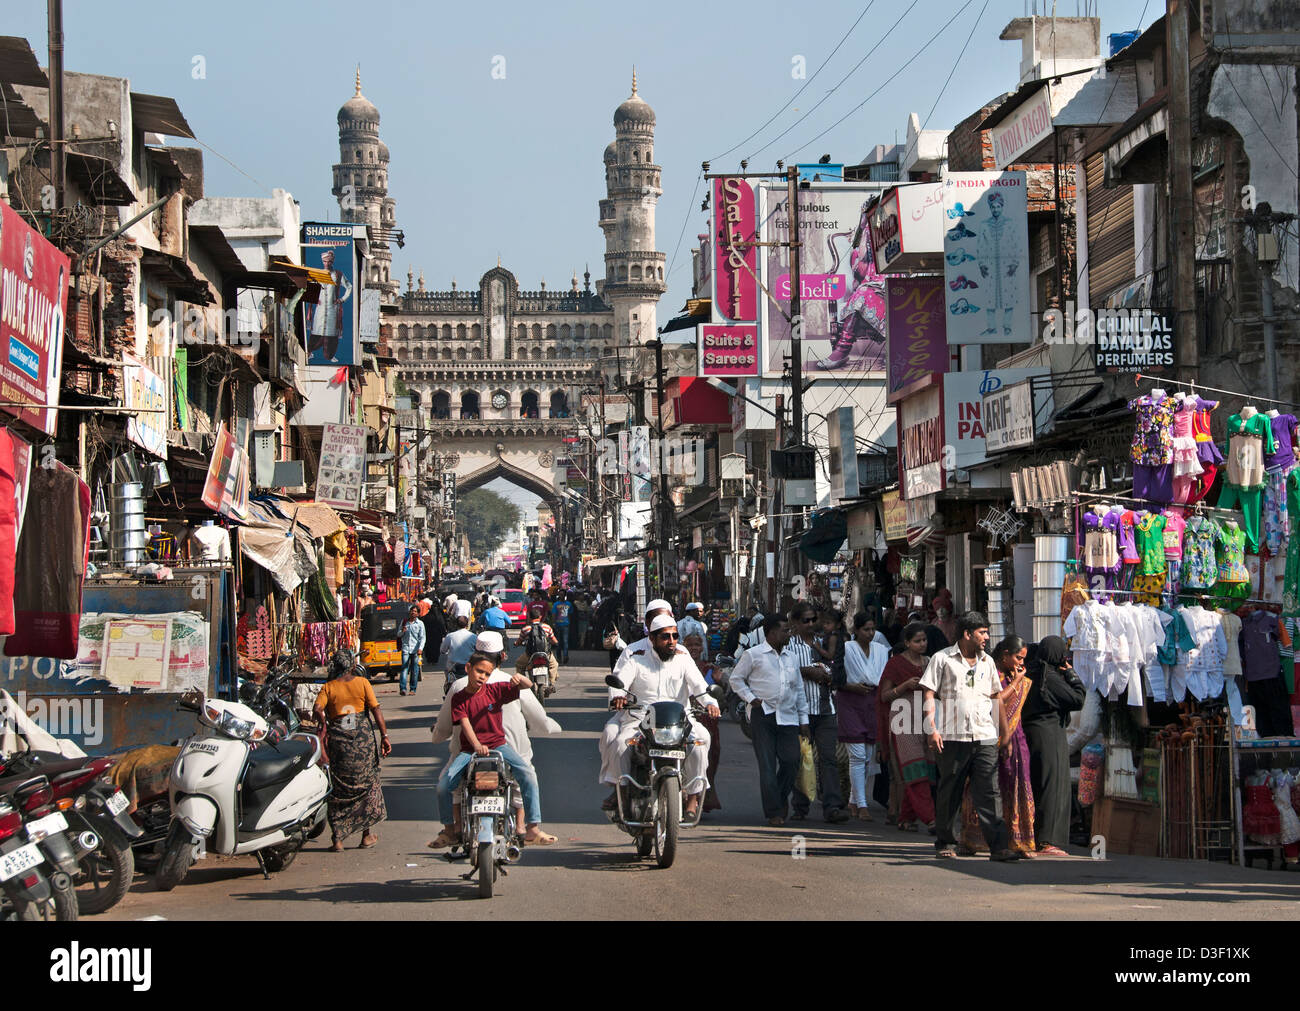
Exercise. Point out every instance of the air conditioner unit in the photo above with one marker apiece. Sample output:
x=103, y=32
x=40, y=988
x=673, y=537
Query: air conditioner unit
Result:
x=800, y=493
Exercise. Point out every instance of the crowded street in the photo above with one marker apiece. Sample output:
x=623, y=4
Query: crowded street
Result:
x=734, y=866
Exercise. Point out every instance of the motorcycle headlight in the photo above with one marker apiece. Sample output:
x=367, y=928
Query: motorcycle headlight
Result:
x=669, y=735
x=235, y=727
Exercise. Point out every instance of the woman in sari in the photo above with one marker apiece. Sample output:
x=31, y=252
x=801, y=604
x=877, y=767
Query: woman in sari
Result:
x=357, y=801
x=910, y=764
x=1013, y=757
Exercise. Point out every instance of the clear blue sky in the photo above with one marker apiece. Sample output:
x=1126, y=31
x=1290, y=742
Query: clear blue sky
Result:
x=483, y=167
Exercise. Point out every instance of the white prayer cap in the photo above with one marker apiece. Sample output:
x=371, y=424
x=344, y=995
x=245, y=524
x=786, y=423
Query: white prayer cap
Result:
x=489, y=642
x=661, y=622
x=462, y=608
x=695, y=606
x=658, y=605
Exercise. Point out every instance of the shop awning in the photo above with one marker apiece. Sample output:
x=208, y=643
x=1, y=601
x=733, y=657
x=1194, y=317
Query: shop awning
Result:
x=319, y=519
x=159, y=114
x=605, y=563
x=695, y=402
x=296, y=271
x=698, y=310
x=177, y=275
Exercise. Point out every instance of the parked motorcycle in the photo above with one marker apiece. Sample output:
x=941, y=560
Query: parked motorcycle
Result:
x=235, y=791
x=649, y=805
x=37, y=859
x=97, y=811
x=489, y=834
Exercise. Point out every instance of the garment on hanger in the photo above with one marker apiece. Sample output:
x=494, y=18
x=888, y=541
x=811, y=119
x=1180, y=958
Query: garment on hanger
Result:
x=1232, y=636
x=1285, y=437
x=1152, y=450
x=1127, y=542
x=1232, y=555
x=1207, y=450
x=1275, y=520
x=1250, y=437
x=1200, y=569
x=1291, y=581
x=1175, y=525
x=1186, y=461
x=1203, y=660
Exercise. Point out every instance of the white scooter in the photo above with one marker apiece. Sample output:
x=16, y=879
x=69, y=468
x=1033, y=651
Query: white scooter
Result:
x=234, y=791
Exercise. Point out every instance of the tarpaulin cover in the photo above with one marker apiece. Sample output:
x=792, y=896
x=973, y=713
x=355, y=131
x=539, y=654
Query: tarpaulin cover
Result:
x=828, y=532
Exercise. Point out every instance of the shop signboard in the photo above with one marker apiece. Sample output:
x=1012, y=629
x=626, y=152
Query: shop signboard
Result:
x=986, y=257
x=331, y=322
x=907, y=228
x=735, y=258
x=33, y=299
x=225, y=490
x=728, y=350
x=917, y=345
x=342, y=466
x=920, y=443
x=1133, y=340
x=1008, y=416
x=145, y=391
x=964, y=394
x=842, y=297
x=1027, y=126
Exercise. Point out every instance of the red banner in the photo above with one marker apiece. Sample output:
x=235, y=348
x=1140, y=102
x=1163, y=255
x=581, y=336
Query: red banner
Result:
x=33, y=300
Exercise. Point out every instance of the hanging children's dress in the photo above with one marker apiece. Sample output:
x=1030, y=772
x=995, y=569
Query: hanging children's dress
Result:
x=1207, y=450
x=1150, y=577
x=1276, y=530
x=1187, y=464
x=1173, y=538
x=1152, y=451
x=1250, y=436
x=1101, y=557
x=1200, y=569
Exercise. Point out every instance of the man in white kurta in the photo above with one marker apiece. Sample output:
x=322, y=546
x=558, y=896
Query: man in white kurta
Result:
x=660, y=674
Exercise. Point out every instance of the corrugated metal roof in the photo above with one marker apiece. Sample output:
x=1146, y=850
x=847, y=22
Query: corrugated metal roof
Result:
x=159, y=114
x=18, y=64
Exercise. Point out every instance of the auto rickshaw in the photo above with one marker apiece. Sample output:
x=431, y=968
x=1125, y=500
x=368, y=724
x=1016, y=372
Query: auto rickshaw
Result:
x=380, y=623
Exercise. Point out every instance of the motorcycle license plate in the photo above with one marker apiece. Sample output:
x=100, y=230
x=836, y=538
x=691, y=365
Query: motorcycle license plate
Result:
x=487, y=805
x=117, y=803
x=24, y=859
x=667, y=753
x=48, y=825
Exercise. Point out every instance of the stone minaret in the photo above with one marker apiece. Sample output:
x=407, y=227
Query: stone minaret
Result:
x=634, y=270
x=361, y=186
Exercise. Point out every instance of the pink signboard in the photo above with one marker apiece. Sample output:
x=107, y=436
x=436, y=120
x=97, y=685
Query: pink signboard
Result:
x=918, y=334
x=728, y=350
x=735, y=264
x=33, y=299
x=814, y=287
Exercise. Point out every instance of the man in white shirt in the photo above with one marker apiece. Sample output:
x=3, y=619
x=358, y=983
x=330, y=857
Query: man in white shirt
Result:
x=964, y=733
x=661, y=673
x=456, y=650
x=691, y=625
x=778, y=714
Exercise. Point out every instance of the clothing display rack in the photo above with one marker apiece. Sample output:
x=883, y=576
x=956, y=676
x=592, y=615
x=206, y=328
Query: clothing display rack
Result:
x=1238, y=601
x=1194, y=507
x=1210, y=389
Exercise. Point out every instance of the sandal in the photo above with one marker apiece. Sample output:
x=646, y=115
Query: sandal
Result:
x=1052, y=851
x=445, y=838
x=367, y=841
x=947, y=853
x=539, y=838
x=906, y=826
x=337, y=846
x=864, y=815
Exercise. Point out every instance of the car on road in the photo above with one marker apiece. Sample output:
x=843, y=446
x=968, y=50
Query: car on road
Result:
x=515, y=604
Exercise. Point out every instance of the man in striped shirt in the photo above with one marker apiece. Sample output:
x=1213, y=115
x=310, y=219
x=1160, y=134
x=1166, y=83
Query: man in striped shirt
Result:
x=822, y=721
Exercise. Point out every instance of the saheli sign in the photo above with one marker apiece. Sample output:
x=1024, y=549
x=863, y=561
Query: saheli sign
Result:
x=735, y=257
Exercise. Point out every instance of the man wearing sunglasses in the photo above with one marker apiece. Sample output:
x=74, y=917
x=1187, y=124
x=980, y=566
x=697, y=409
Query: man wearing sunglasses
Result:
x=822, y=721
x=660, y=673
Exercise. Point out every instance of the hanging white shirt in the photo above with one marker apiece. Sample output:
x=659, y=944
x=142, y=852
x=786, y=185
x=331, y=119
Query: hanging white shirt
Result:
x=211, y=544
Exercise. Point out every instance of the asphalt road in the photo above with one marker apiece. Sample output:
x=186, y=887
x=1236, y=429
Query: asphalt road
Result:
x=733, y=866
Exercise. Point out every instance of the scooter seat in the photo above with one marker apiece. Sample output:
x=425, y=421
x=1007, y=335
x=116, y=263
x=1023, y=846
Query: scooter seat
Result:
x=269, y=764
x=41, y=763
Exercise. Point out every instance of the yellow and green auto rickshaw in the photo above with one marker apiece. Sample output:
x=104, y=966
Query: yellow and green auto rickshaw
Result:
x=380, y=650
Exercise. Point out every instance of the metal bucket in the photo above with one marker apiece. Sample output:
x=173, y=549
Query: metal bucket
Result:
x=1051, y=553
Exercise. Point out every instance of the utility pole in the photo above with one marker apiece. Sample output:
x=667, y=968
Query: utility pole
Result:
x=664, y=511
x=796, y=307
x=1182, y=237
x=600, y=477
x=58, y=145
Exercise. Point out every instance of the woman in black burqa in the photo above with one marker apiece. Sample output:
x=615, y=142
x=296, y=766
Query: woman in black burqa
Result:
x=1055, y=692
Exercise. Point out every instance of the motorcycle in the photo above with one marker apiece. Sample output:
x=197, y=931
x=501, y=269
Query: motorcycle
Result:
x=539, y=673
x=37, y=860
x=237, y=790
x=649, y=807
x=489, y=835
x=97, y=812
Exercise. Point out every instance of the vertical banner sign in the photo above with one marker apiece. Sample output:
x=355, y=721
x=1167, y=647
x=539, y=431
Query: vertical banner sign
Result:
x=331, y=334
x=728, y=350
x=986, y=257
x=842, y=297
x=145, y=391
x=33, y=300
x=735, y=269
x=894, y=511
x=921, y=445
x=225, y=490
x=342, y=466
x=918, y=343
